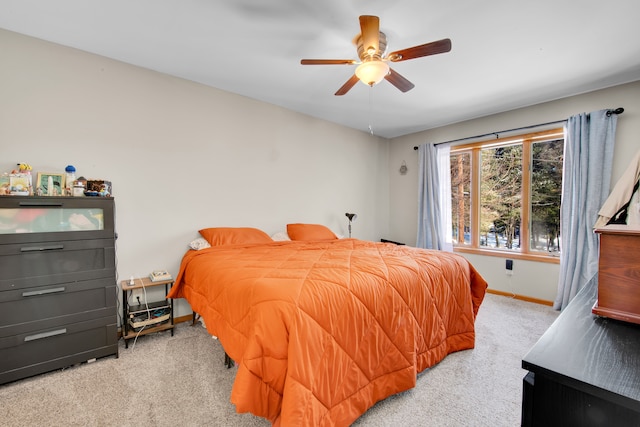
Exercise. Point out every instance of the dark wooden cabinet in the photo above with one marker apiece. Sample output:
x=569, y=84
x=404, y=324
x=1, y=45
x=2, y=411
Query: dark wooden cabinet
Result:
x=584, y=371
x=619, y=273
x=57, y=283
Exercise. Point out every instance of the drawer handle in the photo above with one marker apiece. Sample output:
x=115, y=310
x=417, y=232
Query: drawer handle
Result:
x=43, y=292
x=45, y=335
x=38, y=204
x=42, y=248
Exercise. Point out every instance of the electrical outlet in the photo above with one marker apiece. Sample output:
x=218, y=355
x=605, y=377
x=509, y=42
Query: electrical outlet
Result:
x=509, y=267
x=137, y=295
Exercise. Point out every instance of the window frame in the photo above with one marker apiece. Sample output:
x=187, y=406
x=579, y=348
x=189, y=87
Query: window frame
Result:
x=474, y=150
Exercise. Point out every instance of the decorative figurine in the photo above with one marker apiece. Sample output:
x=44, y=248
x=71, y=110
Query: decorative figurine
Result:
x=104, y=191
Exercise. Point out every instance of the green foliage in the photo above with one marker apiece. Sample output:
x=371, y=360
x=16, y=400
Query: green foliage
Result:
x=500, y=193
x=501, y=188
x=546, y=194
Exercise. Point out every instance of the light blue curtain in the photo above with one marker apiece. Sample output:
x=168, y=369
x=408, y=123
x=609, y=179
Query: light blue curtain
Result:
x=434, y=197
x=588, y=155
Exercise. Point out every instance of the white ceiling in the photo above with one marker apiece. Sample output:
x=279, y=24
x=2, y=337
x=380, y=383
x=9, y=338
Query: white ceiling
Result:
x=506, y=53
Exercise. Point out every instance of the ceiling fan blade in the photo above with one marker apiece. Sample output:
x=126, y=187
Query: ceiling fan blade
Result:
x=433, y=48
x=370, y=29
x=327, y=61
x=348, y=85
x=398, y=81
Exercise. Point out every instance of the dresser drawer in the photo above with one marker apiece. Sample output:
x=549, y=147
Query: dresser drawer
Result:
x=40, y=264
x=30, y=309
x=24, y=355
x=45, y=219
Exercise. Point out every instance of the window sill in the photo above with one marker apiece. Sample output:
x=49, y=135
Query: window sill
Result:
x=511, y=255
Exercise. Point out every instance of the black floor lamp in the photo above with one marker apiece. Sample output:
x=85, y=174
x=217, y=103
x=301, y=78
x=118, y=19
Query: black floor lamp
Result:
x=352, y=217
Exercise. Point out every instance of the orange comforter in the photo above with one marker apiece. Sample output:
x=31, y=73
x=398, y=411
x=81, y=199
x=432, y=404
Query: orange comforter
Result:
x=321, y=331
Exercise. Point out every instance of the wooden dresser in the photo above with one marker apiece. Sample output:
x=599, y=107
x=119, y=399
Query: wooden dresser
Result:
x=619, y=273
x=57, y=283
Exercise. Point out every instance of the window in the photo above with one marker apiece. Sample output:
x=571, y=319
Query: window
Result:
x=506, y=193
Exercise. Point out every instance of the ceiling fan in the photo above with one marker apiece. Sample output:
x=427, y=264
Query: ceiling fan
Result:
x=373, y=64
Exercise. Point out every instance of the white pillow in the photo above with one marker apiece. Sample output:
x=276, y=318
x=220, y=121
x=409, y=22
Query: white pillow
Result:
x=199, y=243
x=280, y=236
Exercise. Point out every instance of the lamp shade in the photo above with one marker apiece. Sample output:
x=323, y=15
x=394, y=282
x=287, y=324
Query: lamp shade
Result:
x=372, y=72
x=351, y=216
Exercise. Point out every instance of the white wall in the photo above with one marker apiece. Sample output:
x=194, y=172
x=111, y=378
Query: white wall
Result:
x=182, y=156
x=532, y=279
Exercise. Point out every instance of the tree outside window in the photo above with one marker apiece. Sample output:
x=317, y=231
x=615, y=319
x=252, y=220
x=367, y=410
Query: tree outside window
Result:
x=516, y=203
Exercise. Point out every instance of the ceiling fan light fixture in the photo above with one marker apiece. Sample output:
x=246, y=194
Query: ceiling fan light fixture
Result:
x=372, y=72
x=371, y=45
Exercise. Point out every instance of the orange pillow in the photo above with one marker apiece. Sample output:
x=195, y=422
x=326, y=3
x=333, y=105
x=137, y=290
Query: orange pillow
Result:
x=310, y=232
x=234, y=235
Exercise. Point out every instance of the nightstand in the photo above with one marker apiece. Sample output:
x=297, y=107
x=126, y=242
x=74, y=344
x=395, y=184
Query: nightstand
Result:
x=146, y=317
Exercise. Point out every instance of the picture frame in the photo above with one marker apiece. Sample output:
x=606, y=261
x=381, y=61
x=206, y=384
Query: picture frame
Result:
x=99, y=186
x=19, y=184
x=42, y=183
x=5, y=184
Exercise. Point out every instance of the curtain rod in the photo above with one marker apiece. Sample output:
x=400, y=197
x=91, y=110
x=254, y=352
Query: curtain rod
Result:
x=619, y=110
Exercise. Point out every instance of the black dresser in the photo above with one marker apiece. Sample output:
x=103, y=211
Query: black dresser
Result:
x=584, y=371
x=57, y=283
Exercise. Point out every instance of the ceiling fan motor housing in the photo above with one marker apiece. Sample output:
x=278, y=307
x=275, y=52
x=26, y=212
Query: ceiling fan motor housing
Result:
x=363, y=51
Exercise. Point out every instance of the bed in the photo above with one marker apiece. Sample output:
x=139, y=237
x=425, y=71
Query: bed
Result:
x=323, y=328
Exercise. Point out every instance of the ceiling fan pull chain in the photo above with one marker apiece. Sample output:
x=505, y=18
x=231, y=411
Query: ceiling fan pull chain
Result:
x=370, y=109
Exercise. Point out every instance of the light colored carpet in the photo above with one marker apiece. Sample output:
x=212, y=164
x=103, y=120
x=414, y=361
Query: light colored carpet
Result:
x=182, y=381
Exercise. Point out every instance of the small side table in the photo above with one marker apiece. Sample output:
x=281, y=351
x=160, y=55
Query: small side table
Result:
x=149, y=316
